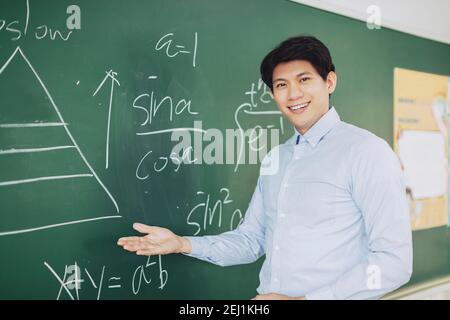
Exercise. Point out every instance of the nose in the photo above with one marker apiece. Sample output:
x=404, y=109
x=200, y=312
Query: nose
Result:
x=295, y=92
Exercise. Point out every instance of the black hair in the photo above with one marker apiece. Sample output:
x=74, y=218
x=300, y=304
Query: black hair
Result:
x=302, y=47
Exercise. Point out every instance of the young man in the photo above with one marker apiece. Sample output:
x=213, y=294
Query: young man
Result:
x=333, y=220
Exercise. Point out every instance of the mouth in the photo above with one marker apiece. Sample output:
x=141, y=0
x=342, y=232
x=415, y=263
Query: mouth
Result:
x=299, y=108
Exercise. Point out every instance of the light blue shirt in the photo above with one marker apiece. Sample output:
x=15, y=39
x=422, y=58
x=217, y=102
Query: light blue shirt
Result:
x=333, y=220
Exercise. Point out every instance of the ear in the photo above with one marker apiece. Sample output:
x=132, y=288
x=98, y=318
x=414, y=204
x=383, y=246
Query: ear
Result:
x=331, y=81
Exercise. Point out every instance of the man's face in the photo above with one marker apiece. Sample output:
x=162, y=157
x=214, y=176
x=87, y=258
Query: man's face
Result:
x=300, y=93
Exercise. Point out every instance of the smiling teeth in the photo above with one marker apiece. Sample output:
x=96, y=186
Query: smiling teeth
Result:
x=298, y=106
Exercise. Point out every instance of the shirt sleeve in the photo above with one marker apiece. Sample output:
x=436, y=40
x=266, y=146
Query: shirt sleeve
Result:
x=243, y=245
x=378, y=189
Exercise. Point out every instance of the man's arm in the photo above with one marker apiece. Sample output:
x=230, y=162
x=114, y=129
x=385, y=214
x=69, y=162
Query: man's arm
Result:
x=378, y=190
x=243, y=245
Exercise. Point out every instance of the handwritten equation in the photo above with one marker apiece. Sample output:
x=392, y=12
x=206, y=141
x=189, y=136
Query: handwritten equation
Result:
x=74, y=279
x=173, y=49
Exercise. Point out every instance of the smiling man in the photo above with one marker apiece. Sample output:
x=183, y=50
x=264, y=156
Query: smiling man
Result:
x=333, y=220
x=300, y=92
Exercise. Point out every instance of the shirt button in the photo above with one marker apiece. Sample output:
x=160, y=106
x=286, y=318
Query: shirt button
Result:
x=277, y=248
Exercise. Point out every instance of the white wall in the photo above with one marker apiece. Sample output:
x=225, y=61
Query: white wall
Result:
x=424, y=18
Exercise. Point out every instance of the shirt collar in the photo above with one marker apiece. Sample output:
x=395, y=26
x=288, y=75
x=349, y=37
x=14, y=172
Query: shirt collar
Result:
x=319, y=129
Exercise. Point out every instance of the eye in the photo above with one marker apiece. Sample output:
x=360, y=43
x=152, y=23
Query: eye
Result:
x=304, y=79
x=279, y=85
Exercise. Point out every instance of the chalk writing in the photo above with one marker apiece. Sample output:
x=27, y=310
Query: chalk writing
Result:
x=112, y=76
x=149, y=107
x=257, y=93
x=91, y=174
x=165, y=43
x=142, y=272
x=17, y=29
x=202, y=215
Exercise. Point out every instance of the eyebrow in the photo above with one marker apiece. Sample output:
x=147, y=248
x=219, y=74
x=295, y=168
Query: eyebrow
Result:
x=298, y=75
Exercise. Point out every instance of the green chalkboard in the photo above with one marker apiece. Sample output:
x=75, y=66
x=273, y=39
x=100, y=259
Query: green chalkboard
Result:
x=91, y=96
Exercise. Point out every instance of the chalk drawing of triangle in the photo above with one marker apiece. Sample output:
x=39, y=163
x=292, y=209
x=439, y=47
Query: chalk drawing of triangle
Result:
x=72, y=144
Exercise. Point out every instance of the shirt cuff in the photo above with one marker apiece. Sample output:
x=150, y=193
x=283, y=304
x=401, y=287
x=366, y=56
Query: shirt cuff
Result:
x=324, y=293
x=197, y=246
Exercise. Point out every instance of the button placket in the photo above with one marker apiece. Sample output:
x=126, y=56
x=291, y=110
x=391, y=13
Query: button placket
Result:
x=276, y=234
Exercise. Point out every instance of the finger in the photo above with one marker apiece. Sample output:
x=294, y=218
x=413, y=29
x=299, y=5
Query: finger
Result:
x=143, y=228
x=144, y=253
x=148, y=252
x=136, y=246
x=126, y=239
x=131, y=248
x=144, y=244
x=126, y=246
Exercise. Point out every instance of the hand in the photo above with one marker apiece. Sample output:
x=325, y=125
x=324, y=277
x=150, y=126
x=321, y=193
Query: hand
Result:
x=276, y=296
x=157, y=241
